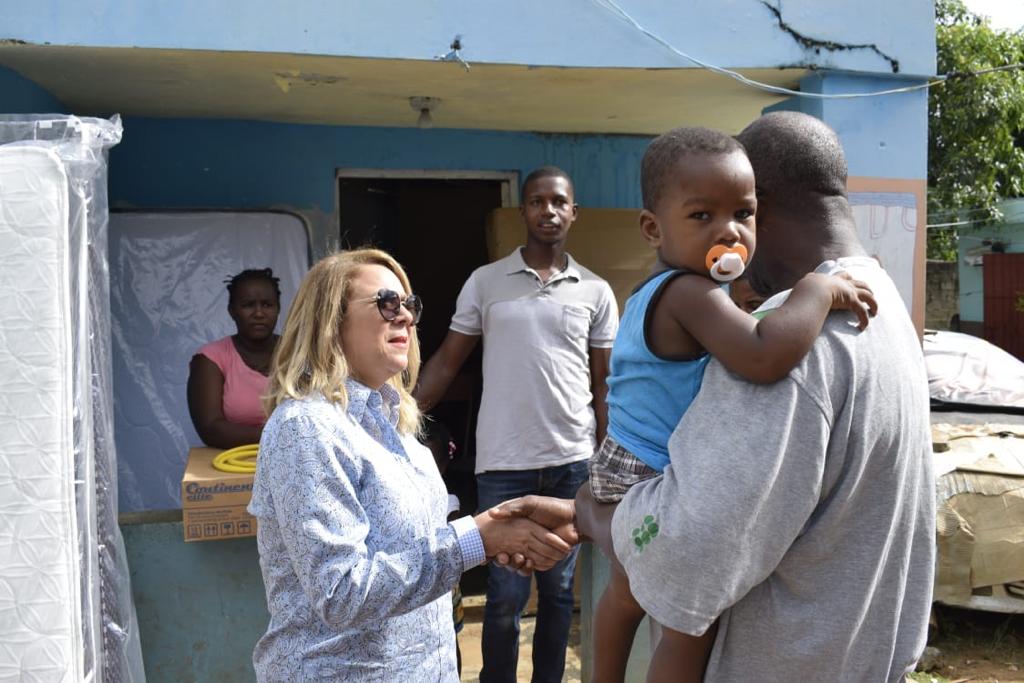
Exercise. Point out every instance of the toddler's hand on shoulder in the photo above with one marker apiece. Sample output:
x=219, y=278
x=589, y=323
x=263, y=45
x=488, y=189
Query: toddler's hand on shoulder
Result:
x=849, y=294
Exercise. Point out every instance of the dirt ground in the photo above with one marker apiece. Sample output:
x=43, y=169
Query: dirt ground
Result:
x=980, y=647
x=469, y=644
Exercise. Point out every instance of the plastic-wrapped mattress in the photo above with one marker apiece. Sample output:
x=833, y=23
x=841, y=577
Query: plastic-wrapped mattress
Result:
x=41, y=611
x=964, y=370
x=66, y=611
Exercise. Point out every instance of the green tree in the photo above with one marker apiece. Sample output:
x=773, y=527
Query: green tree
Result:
x=976, y=123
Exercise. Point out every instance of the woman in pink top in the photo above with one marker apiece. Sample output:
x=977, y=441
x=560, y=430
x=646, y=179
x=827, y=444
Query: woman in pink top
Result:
x=227, y=378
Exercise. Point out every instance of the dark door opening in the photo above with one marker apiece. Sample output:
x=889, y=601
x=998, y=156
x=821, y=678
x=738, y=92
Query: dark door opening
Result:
x=435, y=228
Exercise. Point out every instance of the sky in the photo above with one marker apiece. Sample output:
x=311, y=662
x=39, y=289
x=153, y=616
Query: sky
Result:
x=1005, y=14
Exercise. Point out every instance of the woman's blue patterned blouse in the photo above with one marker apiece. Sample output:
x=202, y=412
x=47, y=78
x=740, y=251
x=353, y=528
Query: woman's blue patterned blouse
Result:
x=357, y=557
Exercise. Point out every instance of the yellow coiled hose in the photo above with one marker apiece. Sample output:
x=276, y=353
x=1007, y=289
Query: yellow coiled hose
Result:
x=241, y=459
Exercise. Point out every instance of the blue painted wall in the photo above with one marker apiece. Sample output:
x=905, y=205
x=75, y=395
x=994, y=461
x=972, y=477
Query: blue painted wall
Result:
x=19, y=95
x=185, y=163
x=201, y=607
x=884, y=136
x=736, y=33
x=178, y=163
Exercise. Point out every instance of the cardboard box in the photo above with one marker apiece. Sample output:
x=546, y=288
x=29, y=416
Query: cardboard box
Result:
x=213, y=502
x=980, y=513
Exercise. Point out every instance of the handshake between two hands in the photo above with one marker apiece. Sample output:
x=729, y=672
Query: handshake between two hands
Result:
x=529, y=533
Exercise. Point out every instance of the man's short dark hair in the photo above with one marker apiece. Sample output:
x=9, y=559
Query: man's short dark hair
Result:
x=546, y=172
x=666, y=150
x=793, y=154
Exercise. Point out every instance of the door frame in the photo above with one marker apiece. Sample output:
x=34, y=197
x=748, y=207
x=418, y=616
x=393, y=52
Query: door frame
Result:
x=509, y=180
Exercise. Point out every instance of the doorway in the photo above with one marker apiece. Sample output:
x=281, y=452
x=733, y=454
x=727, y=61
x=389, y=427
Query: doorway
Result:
x=433, y=223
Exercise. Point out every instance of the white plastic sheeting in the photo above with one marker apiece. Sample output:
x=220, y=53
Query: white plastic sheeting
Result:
x=168, y=298
x=968, y=370
x=66, y=612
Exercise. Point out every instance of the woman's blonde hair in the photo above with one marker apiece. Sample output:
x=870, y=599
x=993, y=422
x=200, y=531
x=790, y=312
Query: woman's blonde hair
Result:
x=309, y=358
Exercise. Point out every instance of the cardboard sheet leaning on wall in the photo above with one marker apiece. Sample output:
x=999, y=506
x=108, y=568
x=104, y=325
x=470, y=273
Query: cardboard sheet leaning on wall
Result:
x=607, y=241
x=980, y=523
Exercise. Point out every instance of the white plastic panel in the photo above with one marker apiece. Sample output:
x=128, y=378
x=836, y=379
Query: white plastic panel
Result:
x=168, y=298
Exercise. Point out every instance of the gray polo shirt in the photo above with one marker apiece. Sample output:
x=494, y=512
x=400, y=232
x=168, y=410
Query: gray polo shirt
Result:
x=801, y=513
x=536, y=406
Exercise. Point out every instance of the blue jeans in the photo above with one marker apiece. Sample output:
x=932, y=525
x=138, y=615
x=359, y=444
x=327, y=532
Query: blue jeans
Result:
x=508, y=593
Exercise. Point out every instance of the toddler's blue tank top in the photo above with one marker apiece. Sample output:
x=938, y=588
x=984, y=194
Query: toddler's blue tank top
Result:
x=647, y=395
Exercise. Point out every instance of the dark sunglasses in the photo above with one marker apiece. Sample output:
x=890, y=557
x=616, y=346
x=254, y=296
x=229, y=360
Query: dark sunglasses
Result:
x=389, y=303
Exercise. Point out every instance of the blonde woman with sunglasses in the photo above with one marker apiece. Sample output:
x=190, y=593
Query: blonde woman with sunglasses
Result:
x=357, y=555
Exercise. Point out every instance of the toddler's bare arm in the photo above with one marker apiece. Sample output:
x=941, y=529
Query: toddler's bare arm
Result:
x=761, y=351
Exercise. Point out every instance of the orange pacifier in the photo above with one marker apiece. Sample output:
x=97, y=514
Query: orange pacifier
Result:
x=725, y=264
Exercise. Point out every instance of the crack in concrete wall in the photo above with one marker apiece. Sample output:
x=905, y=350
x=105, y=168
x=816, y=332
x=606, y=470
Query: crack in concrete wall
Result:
x=818, y=45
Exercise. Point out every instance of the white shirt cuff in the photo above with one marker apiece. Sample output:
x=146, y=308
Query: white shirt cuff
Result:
x=470, y=542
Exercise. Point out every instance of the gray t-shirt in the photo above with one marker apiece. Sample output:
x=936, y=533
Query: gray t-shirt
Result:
x=801, y=513
x=536, y=409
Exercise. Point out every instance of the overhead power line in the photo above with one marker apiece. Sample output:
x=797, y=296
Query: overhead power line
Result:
x=613, y=7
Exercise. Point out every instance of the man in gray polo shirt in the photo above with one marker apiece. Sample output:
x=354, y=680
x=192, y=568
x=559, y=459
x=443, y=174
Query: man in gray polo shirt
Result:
x=547, y=325
x=798, y=516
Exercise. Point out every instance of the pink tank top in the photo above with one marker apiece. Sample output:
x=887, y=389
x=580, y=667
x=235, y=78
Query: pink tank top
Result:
x=243, y=386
